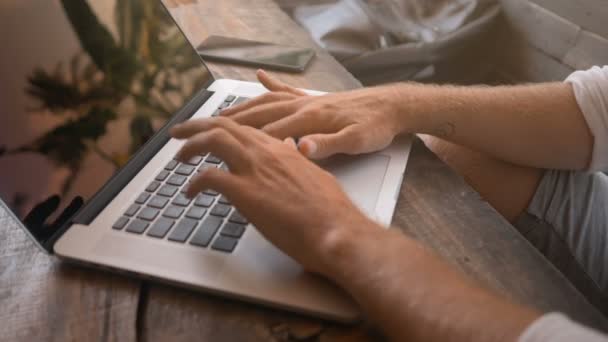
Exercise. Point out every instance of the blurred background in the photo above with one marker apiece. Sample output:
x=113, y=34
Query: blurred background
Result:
x=502, y=41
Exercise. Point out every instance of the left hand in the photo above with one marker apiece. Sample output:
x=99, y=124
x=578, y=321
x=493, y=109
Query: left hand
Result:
x=352, y=122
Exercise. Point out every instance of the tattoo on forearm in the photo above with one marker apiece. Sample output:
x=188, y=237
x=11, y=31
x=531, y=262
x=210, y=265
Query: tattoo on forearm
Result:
x=444, y=130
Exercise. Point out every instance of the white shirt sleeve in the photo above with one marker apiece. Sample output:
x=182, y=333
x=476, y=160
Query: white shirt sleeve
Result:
x=555, y=327
x=591, y=91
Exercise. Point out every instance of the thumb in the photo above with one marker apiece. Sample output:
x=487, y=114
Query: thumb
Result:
x=319, y=146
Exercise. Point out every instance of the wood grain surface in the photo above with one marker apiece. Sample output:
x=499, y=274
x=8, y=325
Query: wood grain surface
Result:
x=41, y=299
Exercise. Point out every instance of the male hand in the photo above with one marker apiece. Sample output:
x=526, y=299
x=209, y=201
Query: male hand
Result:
x=295, y=204
x=353, y=122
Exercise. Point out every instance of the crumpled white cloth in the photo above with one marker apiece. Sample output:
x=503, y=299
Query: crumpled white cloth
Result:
x=391, y=40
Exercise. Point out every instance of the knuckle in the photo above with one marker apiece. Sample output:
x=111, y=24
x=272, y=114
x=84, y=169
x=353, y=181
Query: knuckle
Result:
x=220, y=121
x=216, y=135
x=357, y=139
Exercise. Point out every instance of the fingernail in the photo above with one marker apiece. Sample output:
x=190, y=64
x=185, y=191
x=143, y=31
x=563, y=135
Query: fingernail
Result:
x=308, y=147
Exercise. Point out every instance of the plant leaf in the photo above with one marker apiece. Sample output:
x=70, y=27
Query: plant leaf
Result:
x=65, y=145
x=57, y=94
x=118, y=64
x=141, y=131
x=52, y=90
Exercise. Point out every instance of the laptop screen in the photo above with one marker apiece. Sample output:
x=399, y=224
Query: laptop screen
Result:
x=83, y=85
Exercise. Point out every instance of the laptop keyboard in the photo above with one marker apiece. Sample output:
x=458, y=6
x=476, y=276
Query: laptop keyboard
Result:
x=162, y=210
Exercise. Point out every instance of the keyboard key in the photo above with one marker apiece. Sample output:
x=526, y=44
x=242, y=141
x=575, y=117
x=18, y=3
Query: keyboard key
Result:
x=211, y=192
x=168, y=190
x=204, y=201
x=158, y=202
x=173, y=212
x=137, y=226
x=195, y=160
x=121, y=223
x=160, y=228
x=177, y=180
x=206, y=231
x=183, y=230
x=213, y=159
x=142, y=198
x=148, y=214
x=224, y=200
x=224, y=105
x=233, y=230
x=133, y=209
x=153, y=186
x=240, y=100
x=224, y=167
x=230, y=98
x=225, y=244
x=162, y=175
x=171, y=165
x=185, y=170
x=206, y=166
x=221, y=210
x=196, y=213
x=182, y=200
x=237, y=217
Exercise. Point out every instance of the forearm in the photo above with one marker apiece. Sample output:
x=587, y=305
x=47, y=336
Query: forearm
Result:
x=413, y=295
x=532, y=125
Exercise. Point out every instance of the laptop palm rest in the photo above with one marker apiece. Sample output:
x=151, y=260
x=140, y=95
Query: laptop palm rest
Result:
x=361, y=177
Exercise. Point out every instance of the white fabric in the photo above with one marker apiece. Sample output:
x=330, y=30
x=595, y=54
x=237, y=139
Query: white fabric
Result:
x=396, y=40
x=555, y=327
x=591, y=91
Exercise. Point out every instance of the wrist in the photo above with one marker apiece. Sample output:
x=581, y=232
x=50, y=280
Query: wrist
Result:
x=344, y=244
x=421, y=108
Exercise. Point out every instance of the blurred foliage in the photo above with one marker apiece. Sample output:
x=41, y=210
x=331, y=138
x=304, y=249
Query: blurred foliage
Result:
x=116, y=63
x=143, y=63
x=66, y=144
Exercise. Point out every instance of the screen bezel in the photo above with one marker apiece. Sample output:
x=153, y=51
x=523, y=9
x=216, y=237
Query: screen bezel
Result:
x=248, y=62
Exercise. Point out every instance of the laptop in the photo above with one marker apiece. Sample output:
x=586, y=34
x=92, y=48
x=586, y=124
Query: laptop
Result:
x=88, y=90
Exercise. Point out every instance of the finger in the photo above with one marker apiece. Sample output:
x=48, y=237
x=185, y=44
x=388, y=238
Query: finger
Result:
x=215, y=179
x=291, y=143
x=221, y=144
x=190, y=128
x=296, y=125
x=257, y=101
x=258, y=135
x=319, y=146
x=262, y=115
x=273, y=84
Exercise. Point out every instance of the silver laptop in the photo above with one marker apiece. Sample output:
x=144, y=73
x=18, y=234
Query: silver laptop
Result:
x=88, y=90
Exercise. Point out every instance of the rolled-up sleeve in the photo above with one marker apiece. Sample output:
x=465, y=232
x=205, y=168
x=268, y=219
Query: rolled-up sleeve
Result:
x=555, y=327
x=591, y=91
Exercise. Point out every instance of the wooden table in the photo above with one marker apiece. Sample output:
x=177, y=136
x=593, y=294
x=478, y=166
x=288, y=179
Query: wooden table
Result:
x=43, y=299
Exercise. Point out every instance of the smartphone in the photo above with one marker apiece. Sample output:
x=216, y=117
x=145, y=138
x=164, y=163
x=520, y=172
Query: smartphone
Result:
x=259, y=54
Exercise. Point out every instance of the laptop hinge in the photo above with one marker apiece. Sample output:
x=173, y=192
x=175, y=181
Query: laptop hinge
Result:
x=140, y=159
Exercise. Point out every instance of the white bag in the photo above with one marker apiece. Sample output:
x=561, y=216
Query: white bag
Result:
x=393, y=40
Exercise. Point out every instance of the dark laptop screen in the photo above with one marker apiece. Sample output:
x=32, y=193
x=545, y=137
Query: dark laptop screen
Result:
x=83, y=85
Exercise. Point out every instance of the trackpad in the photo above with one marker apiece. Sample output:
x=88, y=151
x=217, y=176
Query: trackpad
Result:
x=360, y=176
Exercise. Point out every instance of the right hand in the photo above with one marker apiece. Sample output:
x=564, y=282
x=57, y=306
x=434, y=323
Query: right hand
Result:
x=353, y=122
x=296, y=205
